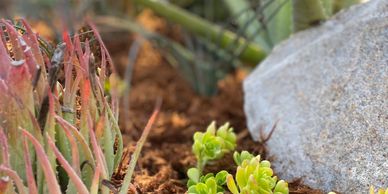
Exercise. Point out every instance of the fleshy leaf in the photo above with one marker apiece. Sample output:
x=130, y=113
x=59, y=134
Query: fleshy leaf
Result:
x=81, y=188
x=52, y=183
x=32, y=189
x=15, y=177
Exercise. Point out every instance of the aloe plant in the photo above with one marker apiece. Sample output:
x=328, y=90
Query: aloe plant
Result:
x=56, y=136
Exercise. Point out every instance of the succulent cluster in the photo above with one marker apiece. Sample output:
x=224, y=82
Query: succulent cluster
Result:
x=252, y=176
x=380, y=191
x=213, y=143
x=208, y=184
x=58, y=133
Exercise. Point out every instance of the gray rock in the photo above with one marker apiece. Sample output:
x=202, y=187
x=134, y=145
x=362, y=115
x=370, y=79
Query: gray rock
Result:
x=328, y=87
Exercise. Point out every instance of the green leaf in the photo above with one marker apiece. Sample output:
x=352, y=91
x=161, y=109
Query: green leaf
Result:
x=255, y=176
x=221, y=177
x=51, y=180
x=193, y=174
x=211, y=186
x=281, y=187
x=201, y=188
x=231, y=184
x=211, y=128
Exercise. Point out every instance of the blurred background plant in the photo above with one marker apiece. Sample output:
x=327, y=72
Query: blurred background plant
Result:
x=216, y=36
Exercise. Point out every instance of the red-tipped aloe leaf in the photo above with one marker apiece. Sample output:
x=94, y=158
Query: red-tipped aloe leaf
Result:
x=4, y=148
x=15, y=177
x=19, y=82
x=32, y=65
x=32, y=189
x=5, y=60
x=95, y=182
x=98, y=152
x=85, y=148
x=104, y=51
x=81, y=188
x=139, y=146
x=32, y=41
x=15, y=41
x=117, y=134
x=51, y=179
x=74, y=149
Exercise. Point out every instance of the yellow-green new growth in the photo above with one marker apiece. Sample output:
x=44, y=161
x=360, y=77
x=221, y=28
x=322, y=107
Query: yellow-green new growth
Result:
x=254, y=177
x=380, y=191
x=213, y=143
x=208, y=184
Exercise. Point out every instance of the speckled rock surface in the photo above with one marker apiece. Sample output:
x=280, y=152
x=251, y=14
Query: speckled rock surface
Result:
x=328, y=87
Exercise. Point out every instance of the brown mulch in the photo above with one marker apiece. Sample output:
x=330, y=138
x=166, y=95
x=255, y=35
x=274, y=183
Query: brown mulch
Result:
x=167, y=153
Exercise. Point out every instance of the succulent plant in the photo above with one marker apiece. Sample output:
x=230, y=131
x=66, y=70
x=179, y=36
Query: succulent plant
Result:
x=255, y=177
x=208, y=184
x=240, y=157
x=380, y=191
x=57, y=135
x=213, y=143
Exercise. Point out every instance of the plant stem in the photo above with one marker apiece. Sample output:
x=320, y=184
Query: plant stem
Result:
x=252, y=54
x=307, y=13
x=200, y=166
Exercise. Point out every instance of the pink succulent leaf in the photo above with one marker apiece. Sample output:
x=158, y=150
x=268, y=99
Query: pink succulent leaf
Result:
x=4, y=148
x=102, y=73
x=97, y=151
x=68, y=64
x=30, y=59
x=104, y=51
x=5, y=60
x=15, y=177
x=85, y=59
x=32, y=40
x=95, y=181
x=5, y=184
x=79, y=52
x=32, y=188
x=5, y=99
x=2, y=35
x=15, y=40
x=81, y=188
x=67, y=39
x=19, y=82
x=43, y=160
